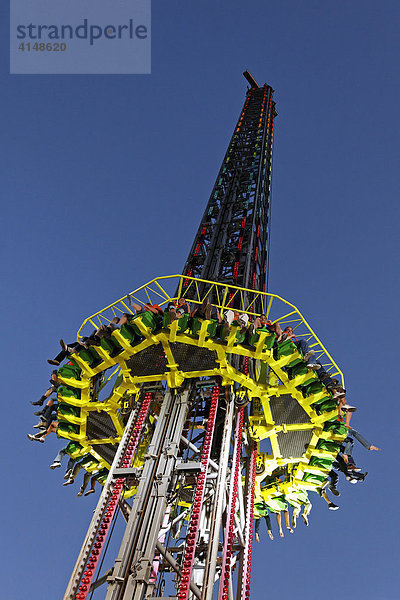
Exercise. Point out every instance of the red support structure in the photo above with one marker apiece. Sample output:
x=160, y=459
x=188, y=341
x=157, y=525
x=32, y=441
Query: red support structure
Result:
x=193, y=528
x=246, y=565
x=230, y=525
x=100, y=539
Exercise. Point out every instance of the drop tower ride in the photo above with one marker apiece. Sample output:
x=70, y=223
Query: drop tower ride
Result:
x=186, y=418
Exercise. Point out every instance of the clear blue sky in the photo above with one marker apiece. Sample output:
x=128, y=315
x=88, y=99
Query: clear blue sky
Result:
x=104, y=180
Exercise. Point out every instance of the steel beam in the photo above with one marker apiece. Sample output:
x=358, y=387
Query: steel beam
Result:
x=98, y=513
x=219, y=505
x=133, y=565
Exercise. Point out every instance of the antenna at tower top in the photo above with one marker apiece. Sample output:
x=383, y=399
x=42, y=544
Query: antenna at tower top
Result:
x=251, y=79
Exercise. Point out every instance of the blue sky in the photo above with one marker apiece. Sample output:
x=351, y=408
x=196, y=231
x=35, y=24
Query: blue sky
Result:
x=104, y=180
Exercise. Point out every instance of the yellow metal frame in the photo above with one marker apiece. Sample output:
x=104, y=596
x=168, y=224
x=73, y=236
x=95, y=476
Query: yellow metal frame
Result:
x=261, y=425
x=276, y=308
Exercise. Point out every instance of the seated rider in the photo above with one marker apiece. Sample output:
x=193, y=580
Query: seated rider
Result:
x=345, y=459
x=275, y=328
x=338, y=392
x=46, y=411
x=298, y=498
x=100, y=476
x=52, y=428
x=356, y=435
x=260, y=322
x=93, y=339
x=352, y=474
x=153, y=308
x=54, y=384
x=233, y=315
x=347, y=408
x=59, y=457
x=85, y=460
x=276, y=505
x=207, y=311
x=182, y=307
x=177, y=309
x=332, y=486
x=301, y=345
x=260, y=511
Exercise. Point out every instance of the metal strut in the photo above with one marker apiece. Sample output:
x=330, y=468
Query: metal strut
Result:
x=79, y=585
x=134, y=564
x=231, y=512
x=219, y=505
x=193, y=529
x=245, y=574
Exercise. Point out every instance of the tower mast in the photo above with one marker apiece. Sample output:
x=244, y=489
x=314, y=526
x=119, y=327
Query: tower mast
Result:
x=231, y=242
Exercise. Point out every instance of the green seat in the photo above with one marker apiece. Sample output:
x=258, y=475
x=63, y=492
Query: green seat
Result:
x=110, y=346
x=102, y=475
x=324, y=463
x=73, y=448
x=223, y=334
x=240, y=337
x=299, y=369
x=285, y=348
x=325, y=406
x=297, y=497
x=313, y=388
x=336, y=427
x=276, y=504
x=68, y=410
x=129, y=334
x=67, y=428
x=261, y=508
x=70, y=372
x=328, y=445
x=294, y=362
x=147, y=318
x=269, y=340
x=183, y=321
x=90, y=356
x=313, y=478
x=211, y=327
x=68, y=392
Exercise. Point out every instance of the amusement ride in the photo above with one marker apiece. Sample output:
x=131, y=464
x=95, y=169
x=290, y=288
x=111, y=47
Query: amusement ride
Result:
x=192, y=414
